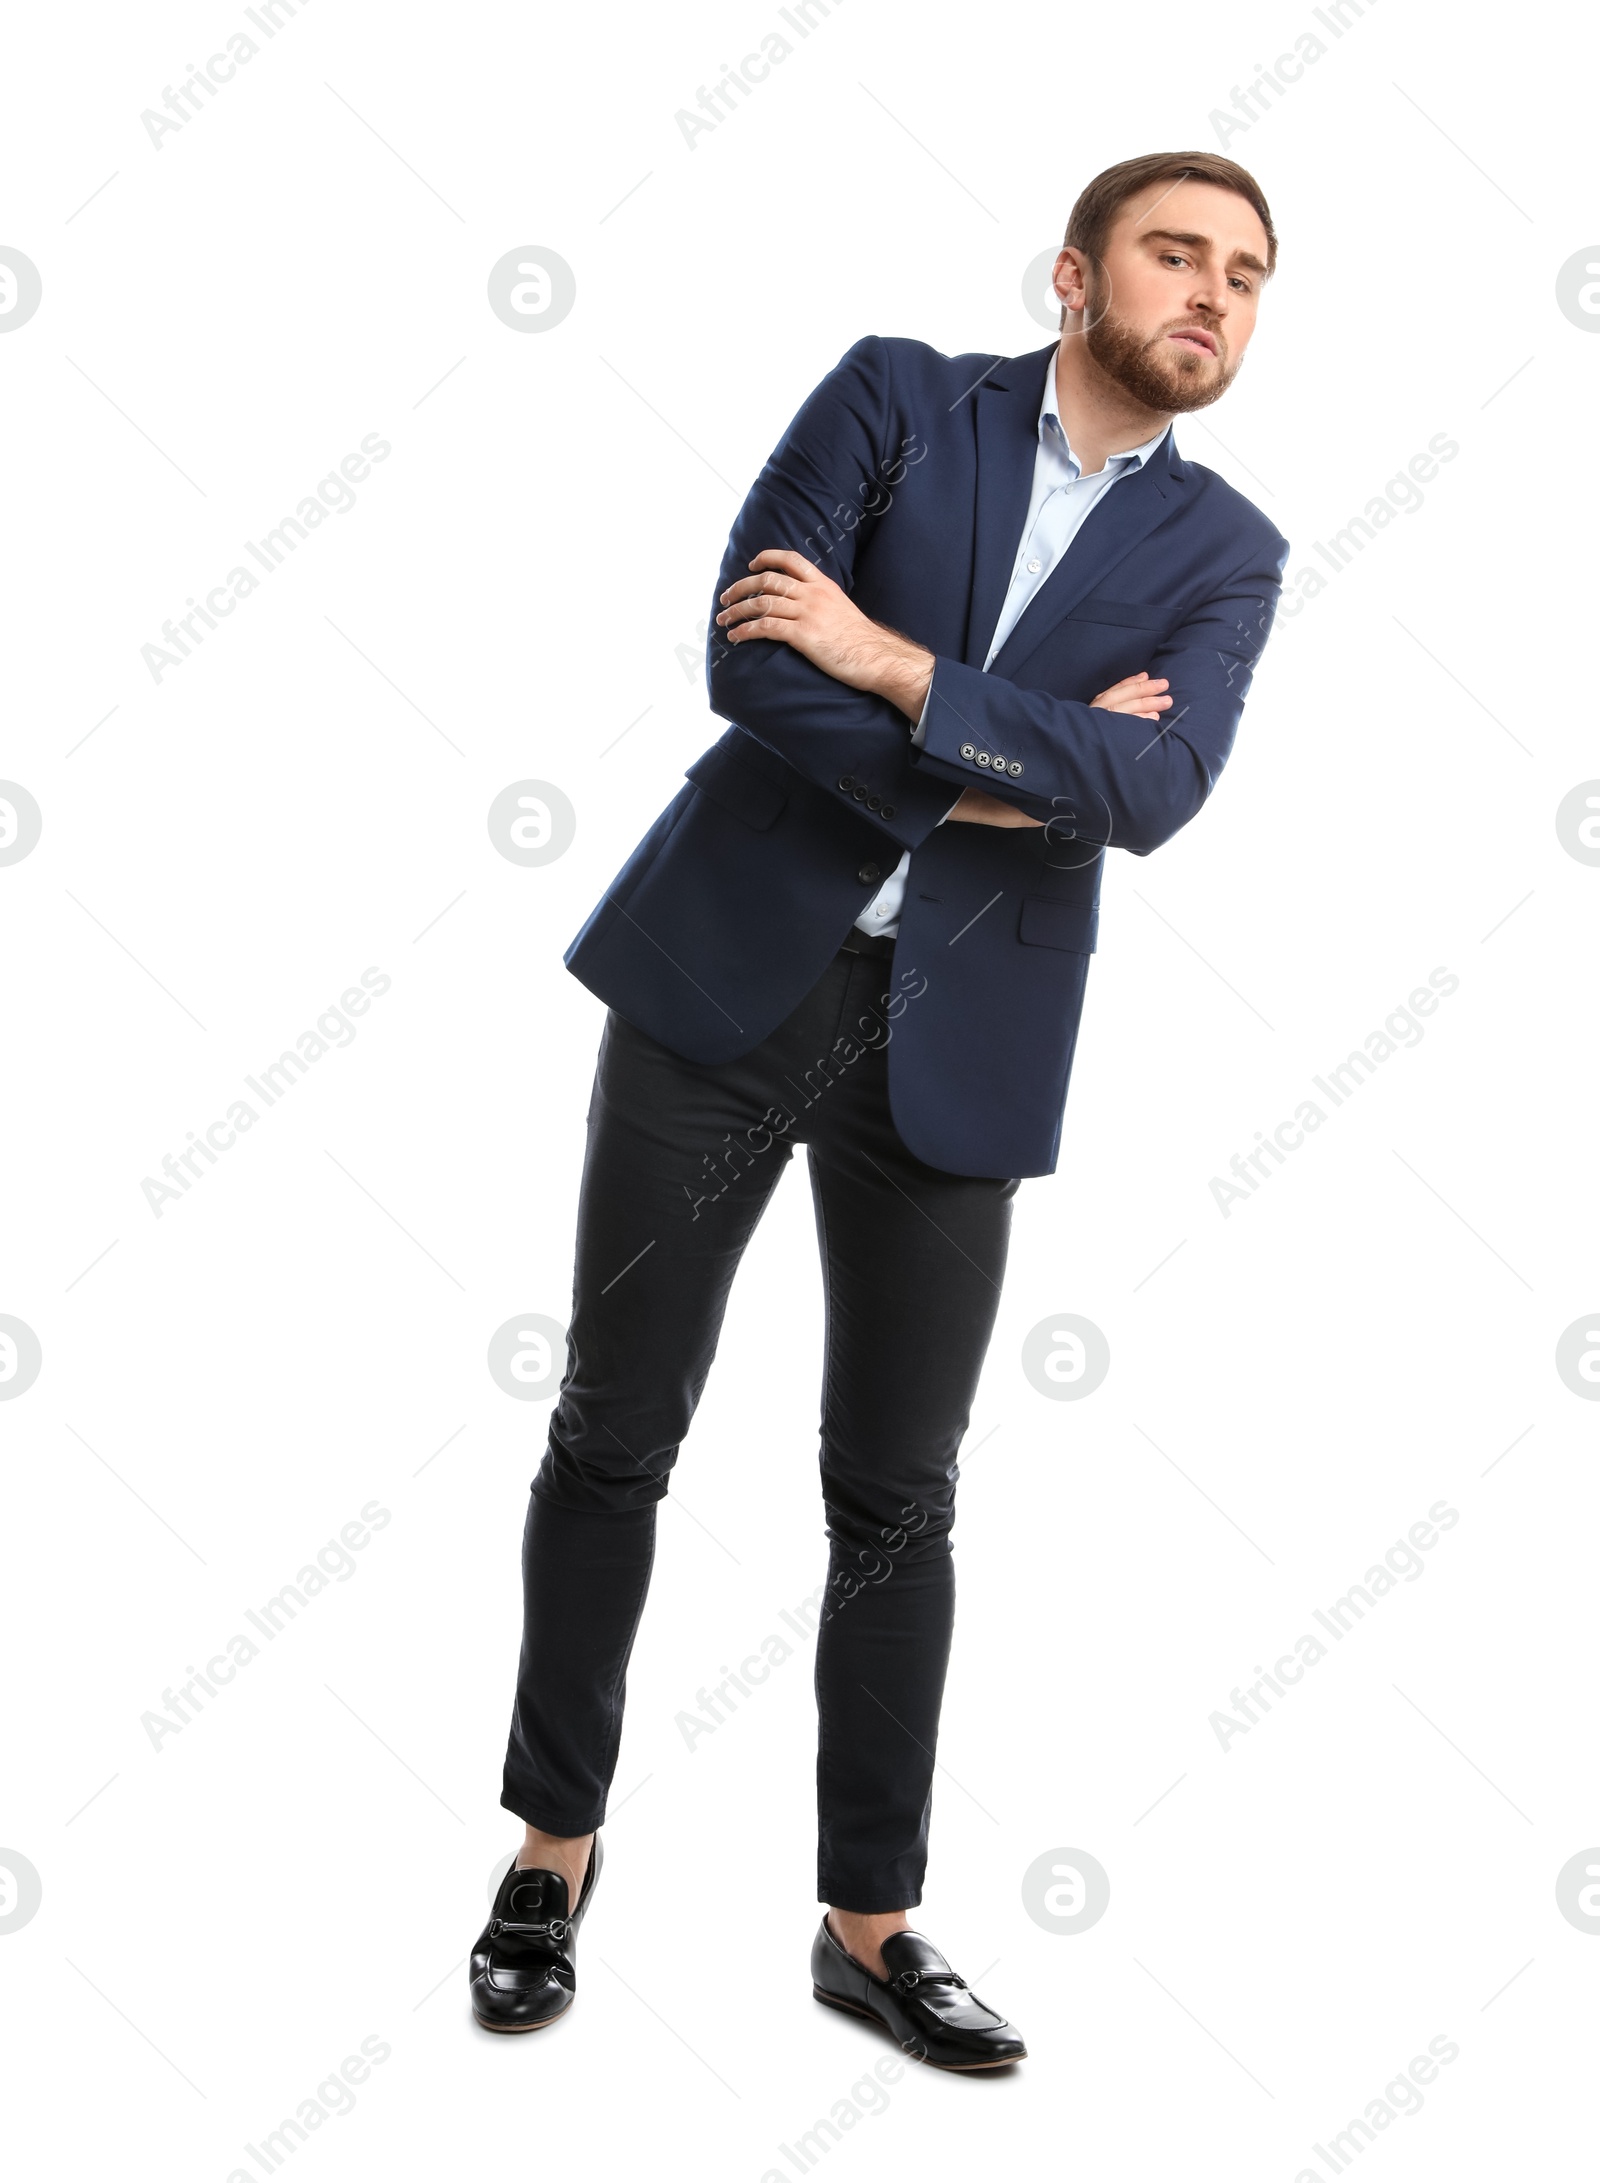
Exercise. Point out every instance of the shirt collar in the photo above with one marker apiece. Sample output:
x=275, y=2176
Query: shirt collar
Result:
x=1054, y=434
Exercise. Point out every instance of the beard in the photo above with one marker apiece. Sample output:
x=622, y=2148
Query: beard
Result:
x=1156, y=373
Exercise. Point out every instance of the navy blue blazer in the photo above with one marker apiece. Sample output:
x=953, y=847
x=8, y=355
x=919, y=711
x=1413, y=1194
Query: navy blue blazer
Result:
x=906, y=476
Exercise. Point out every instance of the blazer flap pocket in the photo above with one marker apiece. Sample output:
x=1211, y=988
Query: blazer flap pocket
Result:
x=1070, y=925
x=738, y=787
x=1121, y=614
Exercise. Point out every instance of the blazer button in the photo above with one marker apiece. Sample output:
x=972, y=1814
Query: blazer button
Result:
x=998, y=763
x=968, y=750
x=868, y=873
x=888, y=810
x=984, y=758
x=846, y=783
x=1014, y=769
x=859, y=792
x=874, y=803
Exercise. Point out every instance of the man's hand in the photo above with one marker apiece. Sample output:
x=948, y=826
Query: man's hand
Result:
x=1138, y=694
x=792, y=602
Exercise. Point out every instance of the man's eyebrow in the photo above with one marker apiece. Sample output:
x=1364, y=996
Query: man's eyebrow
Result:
x=1195, y=242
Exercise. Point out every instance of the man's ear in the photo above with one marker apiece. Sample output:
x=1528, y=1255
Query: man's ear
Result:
x=1071, y=271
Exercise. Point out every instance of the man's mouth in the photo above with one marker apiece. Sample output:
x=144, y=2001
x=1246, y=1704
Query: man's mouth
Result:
x=1195, y=337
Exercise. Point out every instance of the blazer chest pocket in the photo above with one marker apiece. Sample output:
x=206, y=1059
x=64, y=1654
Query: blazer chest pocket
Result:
x=737, y=787
x=1072, y=926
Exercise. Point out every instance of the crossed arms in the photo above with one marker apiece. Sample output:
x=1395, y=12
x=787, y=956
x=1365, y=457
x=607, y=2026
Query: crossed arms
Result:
x=796, y=663
x=790, y=601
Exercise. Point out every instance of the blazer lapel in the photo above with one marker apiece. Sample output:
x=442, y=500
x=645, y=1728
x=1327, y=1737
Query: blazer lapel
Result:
x=1007, y=418
x=1126, y=513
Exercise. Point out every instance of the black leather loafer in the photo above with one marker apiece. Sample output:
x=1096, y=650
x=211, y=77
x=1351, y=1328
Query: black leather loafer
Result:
x=933, y=2014
x=522, y=1970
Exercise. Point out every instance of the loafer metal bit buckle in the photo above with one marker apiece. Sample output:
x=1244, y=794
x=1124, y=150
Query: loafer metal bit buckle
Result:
x=552, y=1929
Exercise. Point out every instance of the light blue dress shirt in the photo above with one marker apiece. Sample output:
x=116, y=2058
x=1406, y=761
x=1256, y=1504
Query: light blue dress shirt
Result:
x=1058, y=507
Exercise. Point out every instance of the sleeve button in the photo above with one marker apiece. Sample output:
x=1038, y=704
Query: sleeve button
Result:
x=1014, y=768
x=888, y=810
x=968, y=750
x=846, y=783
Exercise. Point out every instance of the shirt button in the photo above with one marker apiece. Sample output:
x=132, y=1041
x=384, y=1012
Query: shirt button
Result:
x=1034, y=567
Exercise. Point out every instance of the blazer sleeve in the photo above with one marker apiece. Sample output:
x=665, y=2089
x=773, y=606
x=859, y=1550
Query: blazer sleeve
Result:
x=1103, y=776
x=817, y=495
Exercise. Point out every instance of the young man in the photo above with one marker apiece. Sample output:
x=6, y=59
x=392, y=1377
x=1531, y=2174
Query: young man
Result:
x=978, y=621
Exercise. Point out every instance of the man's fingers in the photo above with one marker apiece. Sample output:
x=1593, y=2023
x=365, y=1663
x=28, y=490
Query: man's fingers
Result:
x=1140, y=684
x=1136, y=695
x=792, y=564
x=755, y=595
x=1139, y=708
x=750, y=587
x=756, y=605
x=763, y=625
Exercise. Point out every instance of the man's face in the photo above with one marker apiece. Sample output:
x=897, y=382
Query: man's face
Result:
x=1172, y=306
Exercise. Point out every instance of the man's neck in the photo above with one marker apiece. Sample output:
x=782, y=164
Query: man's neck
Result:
x=1099, y=417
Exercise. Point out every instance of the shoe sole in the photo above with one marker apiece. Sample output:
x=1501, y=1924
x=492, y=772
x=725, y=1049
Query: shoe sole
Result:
x=543, y=2023
x=852, y=2008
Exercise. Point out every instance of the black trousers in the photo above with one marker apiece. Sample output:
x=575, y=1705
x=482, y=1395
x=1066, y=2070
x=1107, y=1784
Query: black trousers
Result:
x=680, y=1164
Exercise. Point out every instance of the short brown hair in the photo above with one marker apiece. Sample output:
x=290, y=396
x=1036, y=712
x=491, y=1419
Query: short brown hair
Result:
x=1101, y=200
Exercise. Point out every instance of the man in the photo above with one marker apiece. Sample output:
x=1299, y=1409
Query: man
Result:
x=978, y=621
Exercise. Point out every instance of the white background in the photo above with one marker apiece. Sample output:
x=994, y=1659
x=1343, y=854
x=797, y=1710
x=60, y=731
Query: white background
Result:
x=306, y=1863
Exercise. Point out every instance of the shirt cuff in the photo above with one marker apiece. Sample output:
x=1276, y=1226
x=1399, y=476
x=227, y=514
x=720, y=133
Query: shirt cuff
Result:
x=918, y=736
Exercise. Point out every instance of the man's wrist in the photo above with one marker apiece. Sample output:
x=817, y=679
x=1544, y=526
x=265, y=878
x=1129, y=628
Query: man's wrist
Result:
x=905, y=675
